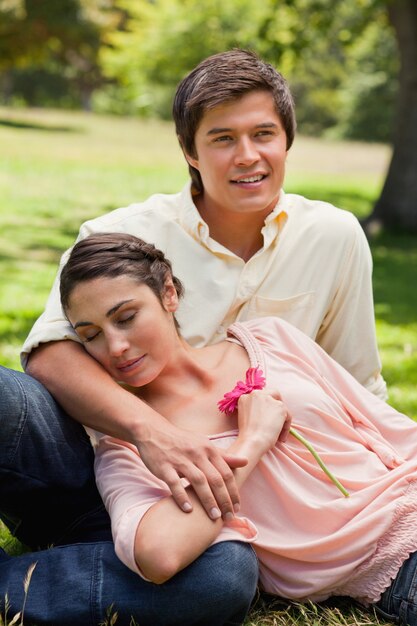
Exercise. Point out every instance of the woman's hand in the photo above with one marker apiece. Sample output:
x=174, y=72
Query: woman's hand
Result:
x=262, y=419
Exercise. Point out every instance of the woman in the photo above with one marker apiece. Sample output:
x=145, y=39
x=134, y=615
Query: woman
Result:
x=312, y=542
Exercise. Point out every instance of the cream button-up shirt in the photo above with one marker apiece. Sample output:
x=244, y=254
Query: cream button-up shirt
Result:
x=314, y=270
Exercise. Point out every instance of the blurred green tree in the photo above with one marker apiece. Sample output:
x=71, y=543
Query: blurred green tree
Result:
x=164, y=39
x=397, y=204
x=61, y=40
x=339, y=57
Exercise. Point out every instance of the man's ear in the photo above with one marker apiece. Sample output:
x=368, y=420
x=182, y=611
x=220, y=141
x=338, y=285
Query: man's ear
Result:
x=193, y=161
x=170, y=297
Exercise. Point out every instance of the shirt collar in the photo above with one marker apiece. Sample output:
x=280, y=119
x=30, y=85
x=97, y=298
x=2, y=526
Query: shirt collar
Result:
x=190, y=218
x=193, y=223
x=276, y=220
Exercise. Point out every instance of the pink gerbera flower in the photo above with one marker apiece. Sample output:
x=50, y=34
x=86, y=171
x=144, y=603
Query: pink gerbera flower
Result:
x=254, y=380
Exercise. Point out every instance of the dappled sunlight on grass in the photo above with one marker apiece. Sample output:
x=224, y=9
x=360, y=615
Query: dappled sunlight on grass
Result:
x=395, y=277
x=351, y=196
x=398, y=349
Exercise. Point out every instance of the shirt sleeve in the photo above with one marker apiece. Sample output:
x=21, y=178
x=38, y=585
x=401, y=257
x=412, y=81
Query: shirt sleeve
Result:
x=52, y=325
x=129, y=490
x=348, y=330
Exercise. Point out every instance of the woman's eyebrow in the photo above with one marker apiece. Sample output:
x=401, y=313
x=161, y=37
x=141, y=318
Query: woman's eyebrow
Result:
x=117, y=306
x=78, y=324
x=110, y=312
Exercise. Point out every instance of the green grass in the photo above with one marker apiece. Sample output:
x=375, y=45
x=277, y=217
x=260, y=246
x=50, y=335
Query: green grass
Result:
x=58, y=169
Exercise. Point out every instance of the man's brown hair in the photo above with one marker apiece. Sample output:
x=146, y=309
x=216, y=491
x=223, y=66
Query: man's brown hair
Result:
x=222, y=78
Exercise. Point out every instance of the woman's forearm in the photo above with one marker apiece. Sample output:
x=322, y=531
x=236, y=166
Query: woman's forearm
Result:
x=252, y=451
x=167, y=540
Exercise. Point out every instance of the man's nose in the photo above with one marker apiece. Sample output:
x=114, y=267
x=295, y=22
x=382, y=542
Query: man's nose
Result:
x=246, y=152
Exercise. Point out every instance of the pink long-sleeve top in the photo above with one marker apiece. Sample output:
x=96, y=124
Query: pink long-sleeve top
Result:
x=311, y=541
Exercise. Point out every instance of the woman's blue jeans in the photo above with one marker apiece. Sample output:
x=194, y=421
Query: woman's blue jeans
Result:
x=48, y=497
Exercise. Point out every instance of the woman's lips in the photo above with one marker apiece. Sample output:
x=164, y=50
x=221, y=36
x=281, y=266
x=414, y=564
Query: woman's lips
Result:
x=127, y=366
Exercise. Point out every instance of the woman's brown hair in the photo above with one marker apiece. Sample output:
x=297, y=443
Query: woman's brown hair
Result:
x=116, y=254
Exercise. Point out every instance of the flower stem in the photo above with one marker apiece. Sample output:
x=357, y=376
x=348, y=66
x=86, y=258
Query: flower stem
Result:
x=324, y=467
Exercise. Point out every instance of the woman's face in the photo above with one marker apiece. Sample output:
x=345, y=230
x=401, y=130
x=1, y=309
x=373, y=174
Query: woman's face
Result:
x=124, y=326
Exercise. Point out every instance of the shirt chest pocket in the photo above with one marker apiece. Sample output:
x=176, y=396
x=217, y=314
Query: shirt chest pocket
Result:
x=297, y=310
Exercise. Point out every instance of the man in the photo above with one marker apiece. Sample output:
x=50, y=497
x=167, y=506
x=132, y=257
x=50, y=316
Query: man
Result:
x=243, y=249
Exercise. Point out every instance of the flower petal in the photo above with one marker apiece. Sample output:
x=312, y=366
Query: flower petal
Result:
x=254, y=380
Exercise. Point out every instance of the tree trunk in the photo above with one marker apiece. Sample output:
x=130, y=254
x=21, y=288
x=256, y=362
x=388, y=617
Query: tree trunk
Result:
x=6, y=86
x=85, y=94
x=397, y=205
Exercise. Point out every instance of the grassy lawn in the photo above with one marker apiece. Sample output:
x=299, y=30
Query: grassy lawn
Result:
x=58, y=169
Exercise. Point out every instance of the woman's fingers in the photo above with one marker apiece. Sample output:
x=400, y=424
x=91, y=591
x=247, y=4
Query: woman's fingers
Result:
x=286, y=427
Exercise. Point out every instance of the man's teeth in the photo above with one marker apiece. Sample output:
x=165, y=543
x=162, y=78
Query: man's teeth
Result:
x=250, y=179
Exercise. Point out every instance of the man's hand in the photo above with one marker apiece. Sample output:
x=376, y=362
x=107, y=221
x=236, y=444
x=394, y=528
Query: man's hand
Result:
x=168, y=452
x=172, y=454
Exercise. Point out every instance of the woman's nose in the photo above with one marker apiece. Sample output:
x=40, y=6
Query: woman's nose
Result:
x=117, y=344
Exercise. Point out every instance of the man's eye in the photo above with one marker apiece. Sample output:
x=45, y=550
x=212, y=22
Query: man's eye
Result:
x=223, y=138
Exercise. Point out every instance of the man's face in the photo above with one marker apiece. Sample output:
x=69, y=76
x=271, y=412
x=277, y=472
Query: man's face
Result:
x=241, y=148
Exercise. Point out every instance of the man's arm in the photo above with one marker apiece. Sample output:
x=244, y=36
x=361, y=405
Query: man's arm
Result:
x=348, y=331
x=87, y=393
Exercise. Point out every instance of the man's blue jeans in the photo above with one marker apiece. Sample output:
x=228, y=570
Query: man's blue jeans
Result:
x=399, y=602
x=48, y=497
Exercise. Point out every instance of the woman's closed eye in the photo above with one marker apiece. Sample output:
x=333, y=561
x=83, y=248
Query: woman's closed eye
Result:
x=88, y=338
x=126, y=319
